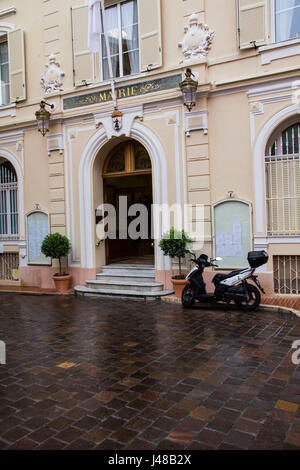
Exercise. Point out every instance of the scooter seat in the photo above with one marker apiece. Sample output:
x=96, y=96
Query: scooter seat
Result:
x=221, y=276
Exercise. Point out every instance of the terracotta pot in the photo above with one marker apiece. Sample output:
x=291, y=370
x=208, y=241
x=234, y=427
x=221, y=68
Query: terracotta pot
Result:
x=178, y=286
x=62, y=283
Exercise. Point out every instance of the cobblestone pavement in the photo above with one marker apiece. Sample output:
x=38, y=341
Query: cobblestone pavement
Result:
x=113, y=374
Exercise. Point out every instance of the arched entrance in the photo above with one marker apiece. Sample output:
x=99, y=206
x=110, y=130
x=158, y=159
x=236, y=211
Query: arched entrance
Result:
x=127, y=172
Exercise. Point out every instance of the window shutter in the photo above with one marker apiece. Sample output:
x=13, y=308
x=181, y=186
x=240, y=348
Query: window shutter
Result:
x=16, y=57
x=252, y=17
x=149, y=34
x=83, y=59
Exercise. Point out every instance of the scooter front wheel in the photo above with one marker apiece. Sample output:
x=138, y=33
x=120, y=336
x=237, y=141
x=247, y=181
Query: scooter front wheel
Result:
x=188, y=296
x=254, y=299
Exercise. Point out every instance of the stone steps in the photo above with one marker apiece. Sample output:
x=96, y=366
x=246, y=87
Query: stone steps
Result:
x=134, y=295
x=130, y=281
x=128, y=269
x=125, y=285
x=126, y=276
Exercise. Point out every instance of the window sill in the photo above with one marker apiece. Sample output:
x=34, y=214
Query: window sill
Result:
x=8, y=110
x=274, y=239
x=279, y=50
x=9, y=238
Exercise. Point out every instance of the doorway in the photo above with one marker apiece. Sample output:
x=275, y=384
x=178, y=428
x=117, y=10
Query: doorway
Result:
x=127, y=172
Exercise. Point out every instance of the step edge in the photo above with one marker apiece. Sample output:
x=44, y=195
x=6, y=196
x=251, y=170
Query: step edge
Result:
x=123, y=283
x=128, y=266
x=124, y=292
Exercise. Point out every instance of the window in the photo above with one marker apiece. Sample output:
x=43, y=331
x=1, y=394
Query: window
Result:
x=116, y=163
x=123, y=36
x=12, y=66
x=128, y=158
x=4, y=72
x=287, y=19
x=134, y=36
x=8, y=201
x=282, y=165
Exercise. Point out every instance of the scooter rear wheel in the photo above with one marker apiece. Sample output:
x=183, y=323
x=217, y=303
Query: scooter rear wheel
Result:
x=254, y=300
x=188, y=296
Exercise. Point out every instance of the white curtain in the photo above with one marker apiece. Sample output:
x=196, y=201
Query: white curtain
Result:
x=285, y=12
x=112, y=32
x=130, y=35
x=95, y=30
x=95, y=27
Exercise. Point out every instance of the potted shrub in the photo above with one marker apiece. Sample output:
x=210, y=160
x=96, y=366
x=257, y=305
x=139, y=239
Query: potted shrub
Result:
x=174, y=244
x=57, y=246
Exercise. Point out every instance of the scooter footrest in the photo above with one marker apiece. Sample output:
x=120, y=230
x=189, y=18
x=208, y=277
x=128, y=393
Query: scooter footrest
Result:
x=206, y=297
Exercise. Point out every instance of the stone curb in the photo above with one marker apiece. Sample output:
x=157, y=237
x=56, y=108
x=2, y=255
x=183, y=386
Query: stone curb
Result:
x=34, y=292
x=280, y=309
x=167, y=299
x=266, y=307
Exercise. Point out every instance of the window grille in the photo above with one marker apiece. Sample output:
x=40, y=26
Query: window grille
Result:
x=286, y=274
x=282, y=165
x=8, y=262
x=8, y=202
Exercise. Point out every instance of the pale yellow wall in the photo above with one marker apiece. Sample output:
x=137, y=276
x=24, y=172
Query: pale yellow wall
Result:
x=36, y=172
x=47, y=26
x=229, y=142
x=210, y=165
x=29, y=16
x=225, y=43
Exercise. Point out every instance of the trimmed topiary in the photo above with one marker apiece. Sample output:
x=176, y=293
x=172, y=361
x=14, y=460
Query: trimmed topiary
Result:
x=56, y=246
x=174, y=244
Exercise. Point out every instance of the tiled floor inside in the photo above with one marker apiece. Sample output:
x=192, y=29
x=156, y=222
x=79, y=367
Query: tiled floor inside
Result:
x=84, y=373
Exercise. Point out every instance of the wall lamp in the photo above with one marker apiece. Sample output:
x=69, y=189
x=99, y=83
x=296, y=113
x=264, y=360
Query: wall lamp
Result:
x=43, y=117
x=189, y=90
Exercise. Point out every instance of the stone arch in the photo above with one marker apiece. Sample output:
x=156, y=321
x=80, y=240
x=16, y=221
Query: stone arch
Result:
x=157, y=155
x=259, y=176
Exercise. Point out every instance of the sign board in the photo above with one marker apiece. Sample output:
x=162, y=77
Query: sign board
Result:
x=232, y=229
x=37, y=229
x=128, y=91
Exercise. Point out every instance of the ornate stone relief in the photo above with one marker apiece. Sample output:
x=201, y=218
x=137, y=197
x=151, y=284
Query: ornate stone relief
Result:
x=197, y=40
x=51, y=80
x=124, y=124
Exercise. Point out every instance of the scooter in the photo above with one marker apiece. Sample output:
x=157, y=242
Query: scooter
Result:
x=228, y=287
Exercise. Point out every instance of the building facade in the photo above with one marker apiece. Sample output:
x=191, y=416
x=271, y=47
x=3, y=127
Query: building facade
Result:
x=236, y=153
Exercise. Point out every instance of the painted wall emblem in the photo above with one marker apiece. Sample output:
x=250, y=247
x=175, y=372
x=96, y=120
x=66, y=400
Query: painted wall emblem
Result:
x=51, y=80
x=197, y=40
x=117, y=119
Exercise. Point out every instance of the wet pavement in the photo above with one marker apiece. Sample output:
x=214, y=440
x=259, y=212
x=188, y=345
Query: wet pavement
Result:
x=85, y=373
